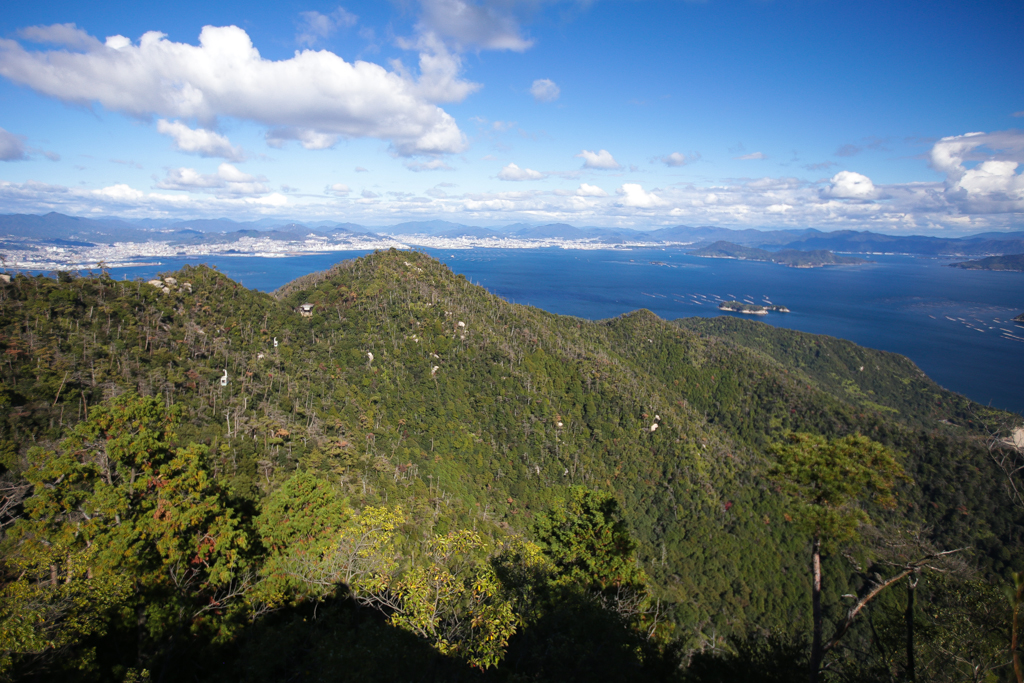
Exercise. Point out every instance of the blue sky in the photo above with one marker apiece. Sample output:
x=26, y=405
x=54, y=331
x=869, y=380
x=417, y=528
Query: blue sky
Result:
x=895, y=117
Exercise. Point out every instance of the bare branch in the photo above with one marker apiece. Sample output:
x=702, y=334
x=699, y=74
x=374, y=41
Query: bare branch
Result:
x=878, y=587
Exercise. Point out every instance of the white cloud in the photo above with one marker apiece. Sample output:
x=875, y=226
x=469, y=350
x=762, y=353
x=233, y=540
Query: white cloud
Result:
x=678, y=159
x=199, y=141
x=982, y=191
x=12, y=147
x=439, y=70
x=753, y=156
x=67, y=35
x=226, y=76
x=601, y=159
x=993, y=184
x=513, y=172
x=634, y=195
x=467, y=25
x=990, y=177
x=432, y=165
x=227, y=181
x=545, y=90
x=315, y=26
x=121, y=193
x=850, y=185
x=123, y=200
x=360, y=169
x=586, y=190
x=307, y=137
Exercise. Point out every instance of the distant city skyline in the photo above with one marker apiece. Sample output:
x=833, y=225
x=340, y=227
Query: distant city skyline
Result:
x=891, y=117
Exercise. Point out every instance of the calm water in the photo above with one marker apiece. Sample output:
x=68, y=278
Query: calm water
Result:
x=953, y=323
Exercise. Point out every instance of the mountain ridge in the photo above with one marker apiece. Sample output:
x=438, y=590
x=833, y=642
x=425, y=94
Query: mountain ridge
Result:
x=54, y=225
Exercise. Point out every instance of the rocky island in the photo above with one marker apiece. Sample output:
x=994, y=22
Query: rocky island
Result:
x=794, y=258
x=1013, y=262
x=751, y=309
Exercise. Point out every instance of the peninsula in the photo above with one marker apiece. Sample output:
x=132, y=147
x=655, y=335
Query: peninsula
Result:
x=1012, y=262
x=794, y=258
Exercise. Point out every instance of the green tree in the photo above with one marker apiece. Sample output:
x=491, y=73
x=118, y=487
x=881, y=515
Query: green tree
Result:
x=121, y=501
x=587, y=539
x=299, y=523
x=454, y=600
x=827, y=482
x=49, y=603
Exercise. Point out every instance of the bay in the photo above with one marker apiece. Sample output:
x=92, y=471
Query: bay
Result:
x=954, y=324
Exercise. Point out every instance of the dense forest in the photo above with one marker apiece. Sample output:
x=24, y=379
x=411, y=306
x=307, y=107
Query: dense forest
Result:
x=412, y=479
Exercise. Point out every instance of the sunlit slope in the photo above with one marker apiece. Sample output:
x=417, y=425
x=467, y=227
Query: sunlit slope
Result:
x=482, y=423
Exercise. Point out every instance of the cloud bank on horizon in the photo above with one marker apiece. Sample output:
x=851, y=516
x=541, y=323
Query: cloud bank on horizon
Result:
x=285, y=116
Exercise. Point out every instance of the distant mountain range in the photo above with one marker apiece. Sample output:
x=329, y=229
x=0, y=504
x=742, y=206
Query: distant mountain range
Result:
x=56, y=228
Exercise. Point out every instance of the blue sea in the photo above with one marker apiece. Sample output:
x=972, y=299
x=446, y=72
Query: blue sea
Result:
x=954, y=324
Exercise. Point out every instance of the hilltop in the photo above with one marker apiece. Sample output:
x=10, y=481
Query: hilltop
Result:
x=411, y=391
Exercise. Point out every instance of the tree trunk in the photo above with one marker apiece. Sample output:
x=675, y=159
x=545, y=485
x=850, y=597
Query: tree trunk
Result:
x=1015, y=639
x=911, y=666
x=816, y=653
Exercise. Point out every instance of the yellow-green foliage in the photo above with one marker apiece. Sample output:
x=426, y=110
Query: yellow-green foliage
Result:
x=454, y=599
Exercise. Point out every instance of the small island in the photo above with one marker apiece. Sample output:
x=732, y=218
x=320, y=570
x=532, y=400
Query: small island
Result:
x=750, y=309
x=794, y=258
x=1019, y=318
x=1012, y=262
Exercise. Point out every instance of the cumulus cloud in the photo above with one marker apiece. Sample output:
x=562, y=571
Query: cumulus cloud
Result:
x=993, y=183
x=225, y=75
x=513, y=172
x=586, y=190
x=634, y=195
x=601, y=159
x=12, y=147
x=338, y=189
x=124, y=200
x=487, y=25
x=314, y=26
x=228, y=180
x=545, y=90
x=753, y=156
x=199, y=141
x=763, y=202
x=850, y=185
x=679, y=159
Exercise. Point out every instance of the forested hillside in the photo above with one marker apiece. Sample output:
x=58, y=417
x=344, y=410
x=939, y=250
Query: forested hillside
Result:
x=421, y=481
